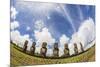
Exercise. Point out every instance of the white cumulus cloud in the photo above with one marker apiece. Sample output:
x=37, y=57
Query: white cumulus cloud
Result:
x=14, y=12
x=14, y=25
x=43, y=36
x=63, y=39
x=39, y=24
x=19, y=39
x=87, y=31
x=85, y=34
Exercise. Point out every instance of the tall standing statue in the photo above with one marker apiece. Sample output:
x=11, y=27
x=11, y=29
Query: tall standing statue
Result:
x=75, y=48
x=32, y=48
x=66, y=50
x=25, y=46
x=82, y=49
x=43, y=50
x=56, y=50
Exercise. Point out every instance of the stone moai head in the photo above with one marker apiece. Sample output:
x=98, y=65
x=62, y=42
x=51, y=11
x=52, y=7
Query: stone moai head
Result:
x=44, y=44
x=82, y=49
x=26, y=42
x=33, y=44
x=43, y=50
x=55, y=45
x=66, y=45
x=32, y=48
x=66, y=50
x=75, y=45
x=56, y=50
x=75, y=48
x=25, y=46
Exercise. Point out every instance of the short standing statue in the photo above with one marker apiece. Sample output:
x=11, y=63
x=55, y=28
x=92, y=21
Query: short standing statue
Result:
x=66, y=50
x=32, y=48
x=75, y=48
x=56, y=50
x=43, y=50
x=25, y=46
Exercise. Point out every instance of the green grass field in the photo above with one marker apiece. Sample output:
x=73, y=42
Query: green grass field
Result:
x=19, y=58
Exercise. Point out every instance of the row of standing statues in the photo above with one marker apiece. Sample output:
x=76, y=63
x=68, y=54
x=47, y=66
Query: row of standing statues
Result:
x=43, y=49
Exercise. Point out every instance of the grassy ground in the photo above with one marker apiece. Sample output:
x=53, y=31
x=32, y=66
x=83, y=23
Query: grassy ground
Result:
x=19, y=58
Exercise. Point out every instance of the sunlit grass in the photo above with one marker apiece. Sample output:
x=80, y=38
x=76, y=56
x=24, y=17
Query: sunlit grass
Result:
x=20, y=58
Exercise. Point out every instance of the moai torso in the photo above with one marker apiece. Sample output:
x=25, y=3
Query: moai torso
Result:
x=56, y=50
x=75, y=48
x=25, y=46
x=66, y=50
x=32, y=49
x=43, y=50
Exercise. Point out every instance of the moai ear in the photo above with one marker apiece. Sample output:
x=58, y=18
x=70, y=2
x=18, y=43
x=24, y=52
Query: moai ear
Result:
x=45, y=44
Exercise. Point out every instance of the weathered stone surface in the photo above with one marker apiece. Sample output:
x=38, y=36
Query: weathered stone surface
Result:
x=25, y=46
x=32, y=48
x=75, y=48
x=66, y=50
x=56, y=50
x=43, y=50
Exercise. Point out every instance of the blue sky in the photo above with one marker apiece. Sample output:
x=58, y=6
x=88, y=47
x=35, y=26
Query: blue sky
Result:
x=59, y=22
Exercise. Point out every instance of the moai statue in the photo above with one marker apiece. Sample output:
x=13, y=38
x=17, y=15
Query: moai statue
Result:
x=32, y=48
x=56, y=50
x=43, y=50
x=66, y=50
x=82, y=49
x=75, y=48
x=25, y=46
x=11, y=41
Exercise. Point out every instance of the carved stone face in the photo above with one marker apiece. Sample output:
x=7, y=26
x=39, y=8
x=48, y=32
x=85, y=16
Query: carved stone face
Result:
x=33, y=44
x=26, y=42
x=25, y=46
x=75, y=45
x=56, y=50
x=66, y=45
x=43, y=49
x=44, y=45
x=66, y=50
x=55, y=45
